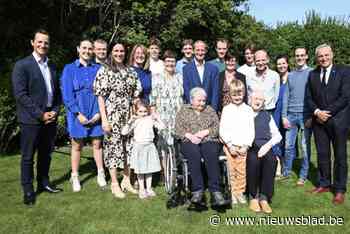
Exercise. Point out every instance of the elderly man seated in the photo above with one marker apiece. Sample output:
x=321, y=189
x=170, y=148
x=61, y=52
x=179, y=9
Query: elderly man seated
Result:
x=197, y=125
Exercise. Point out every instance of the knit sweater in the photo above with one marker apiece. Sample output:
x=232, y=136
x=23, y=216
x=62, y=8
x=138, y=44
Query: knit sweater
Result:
x=294, y=95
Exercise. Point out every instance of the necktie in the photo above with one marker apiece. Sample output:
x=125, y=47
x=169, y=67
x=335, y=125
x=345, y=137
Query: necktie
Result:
x=323, y=80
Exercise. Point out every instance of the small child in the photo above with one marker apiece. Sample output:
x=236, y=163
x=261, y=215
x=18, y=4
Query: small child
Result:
x=144, y=157
x=261, y=162
x=237, y=134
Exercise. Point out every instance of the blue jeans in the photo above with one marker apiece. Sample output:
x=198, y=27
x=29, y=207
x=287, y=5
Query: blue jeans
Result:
x=296, y=121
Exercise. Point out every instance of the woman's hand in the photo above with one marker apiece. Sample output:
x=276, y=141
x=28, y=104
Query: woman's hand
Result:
x=95, y=119
x=106, y=127
x=82, y=119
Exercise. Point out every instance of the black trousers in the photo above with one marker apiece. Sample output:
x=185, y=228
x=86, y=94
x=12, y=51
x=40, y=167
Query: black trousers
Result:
x=209, y=151
x=325, y=135
x=260, y=174
x=40, y=138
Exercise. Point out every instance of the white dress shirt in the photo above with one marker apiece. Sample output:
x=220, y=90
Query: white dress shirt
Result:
x=328, y=72
x=200, y=69
x=45, y=71
x=237, y=125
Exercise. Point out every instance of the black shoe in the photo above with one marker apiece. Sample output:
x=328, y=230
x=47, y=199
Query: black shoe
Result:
x=49, y=189
x=29, y=198
x=197, y=197
x=217, y=199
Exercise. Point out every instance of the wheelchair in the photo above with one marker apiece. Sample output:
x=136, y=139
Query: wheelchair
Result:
x=177, y=178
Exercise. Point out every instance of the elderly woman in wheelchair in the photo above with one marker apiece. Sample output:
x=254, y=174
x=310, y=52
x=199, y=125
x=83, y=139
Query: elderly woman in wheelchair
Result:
x=197, y=126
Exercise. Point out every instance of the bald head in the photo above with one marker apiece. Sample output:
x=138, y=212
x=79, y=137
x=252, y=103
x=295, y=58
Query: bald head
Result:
x=261, y=60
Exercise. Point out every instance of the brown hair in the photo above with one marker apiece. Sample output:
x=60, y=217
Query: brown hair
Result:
x=169, y=54
x=133, y=51
x=154, y=41
x=41, y=31
x=187, y=42
x=141, y=103
x=229, y=56
x=224, y=41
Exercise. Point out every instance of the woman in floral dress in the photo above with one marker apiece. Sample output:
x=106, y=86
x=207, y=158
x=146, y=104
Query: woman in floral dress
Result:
x=116, y=85
x=167, y=98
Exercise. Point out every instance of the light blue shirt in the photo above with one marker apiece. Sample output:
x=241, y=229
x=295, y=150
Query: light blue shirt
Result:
x=269, y=83
x=180, y=65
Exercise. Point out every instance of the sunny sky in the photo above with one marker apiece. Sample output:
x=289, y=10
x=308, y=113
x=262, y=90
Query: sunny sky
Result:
x=273, y=11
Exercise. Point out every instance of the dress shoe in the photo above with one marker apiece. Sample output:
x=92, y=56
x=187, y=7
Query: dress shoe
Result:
x=29, y=198
x=197, y=197
x=265, y=207
x=338, y=198
x=217, y=199
x=254, y=205
x=49, y=189
x=318, y=190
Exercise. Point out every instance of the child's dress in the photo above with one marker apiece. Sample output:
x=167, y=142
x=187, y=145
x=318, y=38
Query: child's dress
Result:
x=144, y=156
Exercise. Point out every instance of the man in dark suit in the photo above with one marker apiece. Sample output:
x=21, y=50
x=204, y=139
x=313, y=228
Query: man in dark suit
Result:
x=199, y=73
x=37, y=95
x=327, y=96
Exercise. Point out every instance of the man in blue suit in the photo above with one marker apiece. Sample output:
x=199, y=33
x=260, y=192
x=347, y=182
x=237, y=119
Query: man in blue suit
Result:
x=37, y=95
x=198, y=73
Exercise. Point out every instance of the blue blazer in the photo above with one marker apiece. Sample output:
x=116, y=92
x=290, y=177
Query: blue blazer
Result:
x=210, y=82
x=29, y=90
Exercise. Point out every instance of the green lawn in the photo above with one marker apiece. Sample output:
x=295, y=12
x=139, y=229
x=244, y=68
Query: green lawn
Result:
x=95, y=211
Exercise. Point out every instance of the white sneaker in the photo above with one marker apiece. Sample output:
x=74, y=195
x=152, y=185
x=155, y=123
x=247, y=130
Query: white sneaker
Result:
x=74, y=179
x=241, y=199
x=234, y=200
x=101, y=179
x=151, y=193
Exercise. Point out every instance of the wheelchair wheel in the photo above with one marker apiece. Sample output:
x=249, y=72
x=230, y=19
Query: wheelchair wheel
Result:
x=170, y=171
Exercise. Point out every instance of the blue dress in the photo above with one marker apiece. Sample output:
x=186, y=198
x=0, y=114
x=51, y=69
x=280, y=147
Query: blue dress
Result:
x=77, y=92
x=277, y=116
x=145, y=78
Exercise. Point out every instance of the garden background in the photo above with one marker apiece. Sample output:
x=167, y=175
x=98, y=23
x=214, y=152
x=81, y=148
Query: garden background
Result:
x=135, y=22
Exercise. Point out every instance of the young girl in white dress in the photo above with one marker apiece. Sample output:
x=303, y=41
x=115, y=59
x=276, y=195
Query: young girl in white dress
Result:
x=144, y=157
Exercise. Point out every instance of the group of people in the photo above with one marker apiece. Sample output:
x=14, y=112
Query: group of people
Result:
x=250, y=112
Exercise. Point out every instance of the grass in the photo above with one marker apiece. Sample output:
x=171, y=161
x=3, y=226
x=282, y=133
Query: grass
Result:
x=96, y=211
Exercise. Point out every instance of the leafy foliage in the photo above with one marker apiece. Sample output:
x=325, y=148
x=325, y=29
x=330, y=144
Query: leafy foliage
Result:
x=136, y=21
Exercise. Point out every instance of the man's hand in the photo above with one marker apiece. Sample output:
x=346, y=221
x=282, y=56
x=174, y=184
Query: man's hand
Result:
x=286, y=123
x=308, y=123
x=49, y=117
x=323, y=116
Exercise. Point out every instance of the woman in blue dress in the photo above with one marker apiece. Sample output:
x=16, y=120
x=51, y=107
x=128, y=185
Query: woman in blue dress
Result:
x=137, y=60
x=283, y=69
x=83, y=117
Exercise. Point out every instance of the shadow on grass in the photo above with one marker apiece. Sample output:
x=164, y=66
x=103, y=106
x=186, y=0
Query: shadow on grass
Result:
x=312, y=175
x=88, y=167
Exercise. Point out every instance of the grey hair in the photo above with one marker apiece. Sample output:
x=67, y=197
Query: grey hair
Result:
x=322, y=46
x=196, y=92
x=256, y=92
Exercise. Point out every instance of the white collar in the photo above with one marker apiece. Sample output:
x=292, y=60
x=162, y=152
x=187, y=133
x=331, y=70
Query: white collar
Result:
x=38, y=59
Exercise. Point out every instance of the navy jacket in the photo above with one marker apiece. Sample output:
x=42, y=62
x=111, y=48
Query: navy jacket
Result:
x=210, y=82
x=30, y=92
x=335, y=98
